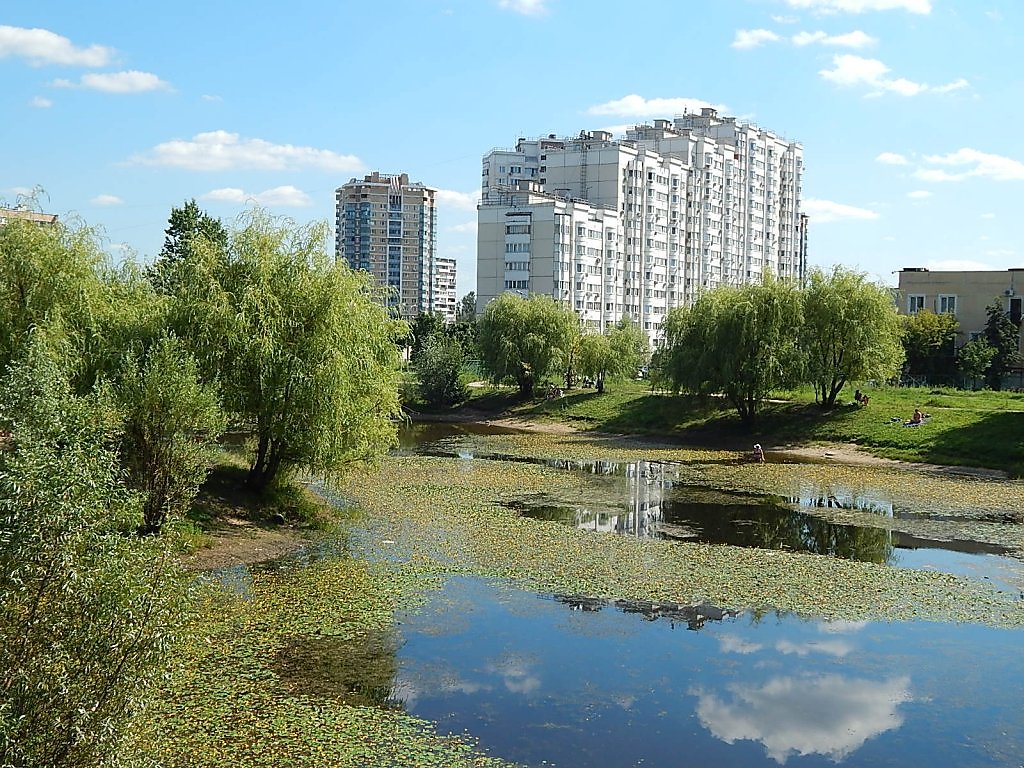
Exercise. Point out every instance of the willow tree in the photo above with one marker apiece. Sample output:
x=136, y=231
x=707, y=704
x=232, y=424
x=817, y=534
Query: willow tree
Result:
x=738, y=342
x=850, y=332
x=304, y=351
x=525, y=340
x=618, y=353
x=48, y=283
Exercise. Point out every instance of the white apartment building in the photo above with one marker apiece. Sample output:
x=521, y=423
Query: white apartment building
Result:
x=386, y=225
x=445, y=301
x=640, y=225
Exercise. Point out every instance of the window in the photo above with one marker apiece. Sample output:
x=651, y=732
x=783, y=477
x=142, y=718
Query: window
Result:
x=915, y=304
x=1015, y=309
x=946, y=303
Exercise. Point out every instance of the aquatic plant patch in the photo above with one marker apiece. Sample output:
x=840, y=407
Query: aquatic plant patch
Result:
x=449, y=514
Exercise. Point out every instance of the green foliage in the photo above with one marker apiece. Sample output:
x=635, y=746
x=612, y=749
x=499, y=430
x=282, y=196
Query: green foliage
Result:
x=975, y=357
x=189, y=228
x=128, y=315
x=464, y=333
x=88, y=615
x=170, y=422
x=48, y=281
x=850, y=332
x=740, y=342
x=524, y=340
x=928, y=343
x=466, y=312
x=305, y=355
x=1003, y=335
x=440, y=368
x=424, y=326
x=595, y=357
x=617, y=354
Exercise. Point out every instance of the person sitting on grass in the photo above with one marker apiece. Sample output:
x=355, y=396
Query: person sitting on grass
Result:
x=916, y=419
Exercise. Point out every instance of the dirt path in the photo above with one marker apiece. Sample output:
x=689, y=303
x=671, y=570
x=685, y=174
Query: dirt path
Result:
x=240, y=541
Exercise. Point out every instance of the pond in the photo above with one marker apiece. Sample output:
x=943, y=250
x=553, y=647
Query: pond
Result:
x=547, y=677
x=543, y=680
x=661, y=499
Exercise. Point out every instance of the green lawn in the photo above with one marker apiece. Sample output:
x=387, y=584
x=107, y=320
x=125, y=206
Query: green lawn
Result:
x=981, y=429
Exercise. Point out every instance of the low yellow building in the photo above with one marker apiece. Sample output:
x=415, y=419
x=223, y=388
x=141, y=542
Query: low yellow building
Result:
x=965, y=294
x=23, y=214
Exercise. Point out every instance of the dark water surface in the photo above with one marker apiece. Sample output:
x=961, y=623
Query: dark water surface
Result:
x=547, y=681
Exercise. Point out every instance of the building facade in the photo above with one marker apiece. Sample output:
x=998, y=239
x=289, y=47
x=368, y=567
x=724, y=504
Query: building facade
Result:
x=967, y=294
x=24, y=214
x=445, y=301
x=640, y=225
x=386, y=225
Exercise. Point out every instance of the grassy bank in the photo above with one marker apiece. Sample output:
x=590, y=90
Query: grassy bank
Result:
x=974, y=429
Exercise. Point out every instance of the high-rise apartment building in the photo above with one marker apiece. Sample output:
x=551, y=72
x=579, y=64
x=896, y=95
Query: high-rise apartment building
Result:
x=640, y=225
x=386, y=225
x=445, y=301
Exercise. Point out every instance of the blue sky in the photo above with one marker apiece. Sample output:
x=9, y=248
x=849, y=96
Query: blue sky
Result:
x=909, y=111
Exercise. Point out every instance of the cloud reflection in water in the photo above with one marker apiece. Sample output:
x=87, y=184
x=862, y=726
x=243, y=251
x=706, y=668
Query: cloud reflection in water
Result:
x=828, y=715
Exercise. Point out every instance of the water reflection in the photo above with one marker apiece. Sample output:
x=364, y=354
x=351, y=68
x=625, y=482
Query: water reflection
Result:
x=581, y=681
x=661, y=499
x=831, y=715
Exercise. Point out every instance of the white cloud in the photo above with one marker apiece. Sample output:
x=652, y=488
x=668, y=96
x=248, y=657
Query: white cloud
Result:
x=891, y=158
x=841, y=626
x=855, y=39
x=733, y=644
x=517, y=673
x=40, y=46
x=634, y=105
x=956, y=85
x=107, y=200
x=222, y=151
x=850, y=70
x=919, y=194
x=286, y=196
x=974, y=163
x=469, y=226
x=828, y=715
x=752, y=38
x=618, y=130
x=779, y=19
x=988, y=215
x=211, y=97
x=525, y=7
x=937, y=174
x=460, y=201
x=1001, y=253
x=40, y=102
x=131, y=81
x=824, y=211
x=860, y=6
x=837, y=648
x=958, y=265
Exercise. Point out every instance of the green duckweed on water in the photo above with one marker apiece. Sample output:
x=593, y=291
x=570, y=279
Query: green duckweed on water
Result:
x=450, y=513
x=238, y=697
x=294, y=665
